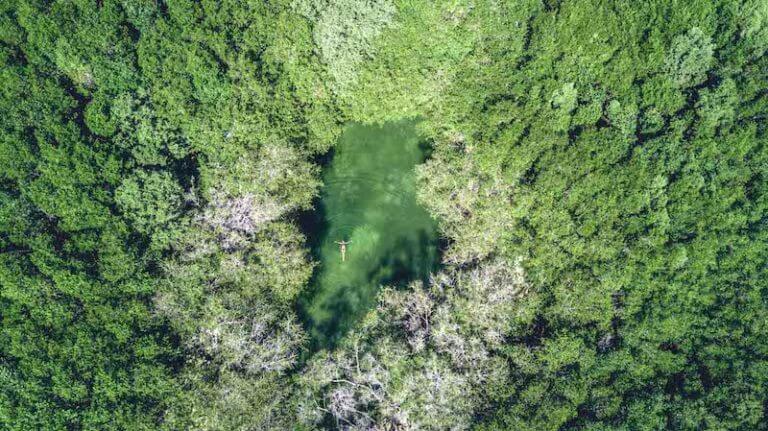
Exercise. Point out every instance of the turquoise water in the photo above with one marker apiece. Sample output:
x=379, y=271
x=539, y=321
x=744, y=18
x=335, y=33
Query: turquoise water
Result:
x=368, y=199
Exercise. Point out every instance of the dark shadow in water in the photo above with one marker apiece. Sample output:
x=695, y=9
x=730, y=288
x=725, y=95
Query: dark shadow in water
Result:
x=368, y=198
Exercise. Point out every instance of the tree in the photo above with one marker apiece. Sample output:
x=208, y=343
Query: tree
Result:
x=690, y=57
x=151, y=201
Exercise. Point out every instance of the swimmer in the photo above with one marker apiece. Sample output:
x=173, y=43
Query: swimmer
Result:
x=343, y=248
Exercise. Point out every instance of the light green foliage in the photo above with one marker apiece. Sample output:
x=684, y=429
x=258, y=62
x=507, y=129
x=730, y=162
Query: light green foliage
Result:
x=716, y=107
x=150, y=200
x=230, y=402
x=690, y=57
x=476, y=211
x=564, y=102
x=344, y=32
x=754, y=27
x=624, y=118
x=277, y=170
x=151, y=139
x=400, y=78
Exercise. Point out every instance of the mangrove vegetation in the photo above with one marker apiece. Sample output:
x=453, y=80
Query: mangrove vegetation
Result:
x=383, y=215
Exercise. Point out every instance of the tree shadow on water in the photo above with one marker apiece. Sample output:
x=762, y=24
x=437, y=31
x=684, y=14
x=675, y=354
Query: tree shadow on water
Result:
x=408, y=259
x=326, y=333
x=369, y=199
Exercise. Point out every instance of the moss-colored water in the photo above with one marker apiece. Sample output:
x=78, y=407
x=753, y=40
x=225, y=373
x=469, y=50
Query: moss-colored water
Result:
x=368, y=199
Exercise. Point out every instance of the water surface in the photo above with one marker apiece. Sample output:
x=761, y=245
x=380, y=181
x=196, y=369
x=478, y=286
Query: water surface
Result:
x=368, y=199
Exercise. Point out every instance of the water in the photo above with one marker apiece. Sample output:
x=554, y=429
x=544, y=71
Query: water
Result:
x=368, y=199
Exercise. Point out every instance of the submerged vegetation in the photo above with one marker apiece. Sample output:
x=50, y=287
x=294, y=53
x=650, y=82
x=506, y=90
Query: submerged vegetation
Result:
x=369, y=201
x=597, y=173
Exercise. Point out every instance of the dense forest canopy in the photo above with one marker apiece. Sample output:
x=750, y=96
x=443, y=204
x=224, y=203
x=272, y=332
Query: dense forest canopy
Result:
x=598, y=176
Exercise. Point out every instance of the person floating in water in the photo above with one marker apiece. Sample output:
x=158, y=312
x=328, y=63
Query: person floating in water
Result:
x=343, y=248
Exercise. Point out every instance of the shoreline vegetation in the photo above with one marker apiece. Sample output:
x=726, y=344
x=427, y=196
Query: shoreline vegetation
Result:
x=596, y=176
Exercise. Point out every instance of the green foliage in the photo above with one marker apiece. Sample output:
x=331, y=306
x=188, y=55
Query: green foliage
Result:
x=754, y=27
x=690, y=57
x=401, y=78
x=228, y=401
x=633, y=223
x=344, y=32
x=128, y=125
x=599, y=172
x=80, y=347
x=619, y=149
x=150, y=201
x=151, y=139
x=716, y=108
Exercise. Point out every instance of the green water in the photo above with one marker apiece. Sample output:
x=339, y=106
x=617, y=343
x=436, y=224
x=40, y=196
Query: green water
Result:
x=368, y=199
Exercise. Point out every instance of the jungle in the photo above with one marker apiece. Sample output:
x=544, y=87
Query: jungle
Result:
x=383, y=215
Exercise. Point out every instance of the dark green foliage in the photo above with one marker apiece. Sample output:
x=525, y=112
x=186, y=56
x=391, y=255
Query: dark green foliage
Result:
x=600, y=173
x=642, y=224
x=121, y=121
x=79, y=348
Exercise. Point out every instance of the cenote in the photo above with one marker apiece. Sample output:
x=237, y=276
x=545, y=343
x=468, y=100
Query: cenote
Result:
x=368, y=200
